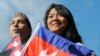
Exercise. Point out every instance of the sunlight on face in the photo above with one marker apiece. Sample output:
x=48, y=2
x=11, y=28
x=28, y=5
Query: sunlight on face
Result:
x=56, y=22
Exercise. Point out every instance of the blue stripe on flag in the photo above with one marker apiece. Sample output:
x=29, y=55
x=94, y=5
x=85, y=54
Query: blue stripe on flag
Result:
x=62, y=44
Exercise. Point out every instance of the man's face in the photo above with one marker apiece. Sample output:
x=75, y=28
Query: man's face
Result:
x=19, y=26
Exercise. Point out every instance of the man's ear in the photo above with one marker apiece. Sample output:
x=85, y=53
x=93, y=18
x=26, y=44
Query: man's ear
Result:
x=30, y=31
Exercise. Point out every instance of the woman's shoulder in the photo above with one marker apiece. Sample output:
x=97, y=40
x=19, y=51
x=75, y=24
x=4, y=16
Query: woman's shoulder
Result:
x=80, y=44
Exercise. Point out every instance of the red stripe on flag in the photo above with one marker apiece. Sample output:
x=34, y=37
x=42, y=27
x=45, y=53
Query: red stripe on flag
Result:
x=39, y=47
x=15, y=47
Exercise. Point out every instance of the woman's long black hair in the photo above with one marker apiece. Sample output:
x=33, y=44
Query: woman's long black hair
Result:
x=70, y=32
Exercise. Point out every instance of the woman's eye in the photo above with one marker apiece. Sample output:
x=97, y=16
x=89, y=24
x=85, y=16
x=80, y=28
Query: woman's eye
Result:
x=50, y=16
x=61, y=15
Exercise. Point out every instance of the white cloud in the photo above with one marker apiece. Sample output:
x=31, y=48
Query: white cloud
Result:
x=89, y=3
x=35, y=9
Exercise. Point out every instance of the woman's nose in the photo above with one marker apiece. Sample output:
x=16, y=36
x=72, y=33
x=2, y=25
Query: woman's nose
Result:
x=56, y=17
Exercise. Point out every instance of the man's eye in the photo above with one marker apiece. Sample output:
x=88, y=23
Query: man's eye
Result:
x=21, y=21
x=12, y=23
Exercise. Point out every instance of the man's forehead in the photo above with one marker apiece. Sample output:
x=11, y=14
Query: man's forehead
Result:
x=18, y=18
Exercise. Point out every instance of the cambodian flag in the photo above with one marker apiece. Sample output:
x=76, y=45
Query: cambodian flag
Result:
x=13, y=48
x=46, y=43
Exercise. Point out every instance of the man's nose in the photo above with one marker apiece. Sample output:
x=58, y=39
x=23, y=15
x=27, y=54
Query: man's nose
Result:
x=16, y=24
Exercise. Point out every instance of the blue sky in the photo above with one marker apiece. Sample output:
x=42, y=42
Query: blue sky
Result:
x=85, y=13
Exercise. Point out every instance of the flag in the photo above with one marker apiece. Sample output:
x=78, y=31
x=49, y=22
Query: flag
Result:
x=5, y=53
x=46, y=43
x=14, y=47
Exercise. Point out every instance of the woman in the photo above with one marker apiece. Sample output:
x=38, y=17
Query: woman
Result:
x=20, y=25
x=59, y=20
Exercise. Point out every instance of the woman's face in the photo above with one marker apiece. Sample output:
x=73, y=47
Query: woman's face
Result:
x=56, y=22
x=19, y=26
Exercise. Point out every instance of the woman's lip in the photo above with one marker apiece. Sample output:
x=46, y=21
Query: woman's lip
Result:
x=56, y=23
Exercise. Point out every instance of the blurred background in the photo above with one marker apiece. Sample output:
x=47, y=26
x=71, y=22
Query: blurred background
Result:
x=85, y=13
